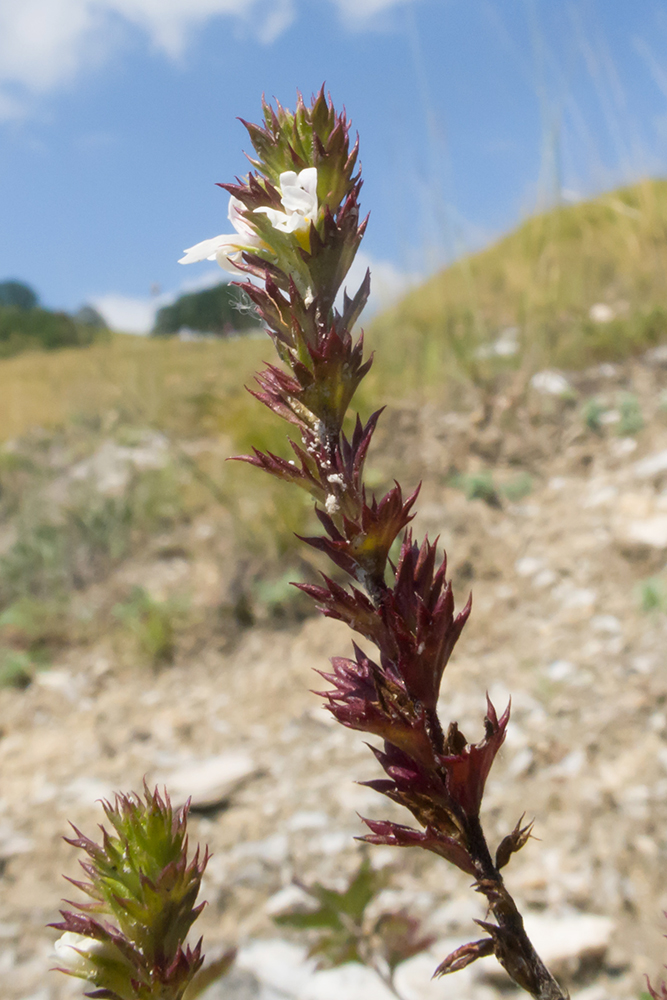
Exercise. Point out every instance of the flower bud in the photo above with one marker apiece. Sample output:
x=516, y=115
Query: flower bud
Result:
x=129, y=941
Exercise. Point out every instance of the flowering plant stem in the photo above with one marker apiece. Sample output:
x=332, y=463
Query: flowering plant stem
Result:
x=298, y=230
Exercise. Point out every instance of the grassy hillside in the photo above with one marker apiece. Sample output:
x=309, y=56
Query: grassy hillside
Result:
x=545, y=278
x=542, y=279
x=115, y=452
x=163, y=383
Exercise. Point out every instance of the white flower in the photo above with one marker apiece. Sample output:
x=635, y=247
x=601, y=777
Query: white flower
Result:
x=299, y=198
x=226, y=249
x=73, y=951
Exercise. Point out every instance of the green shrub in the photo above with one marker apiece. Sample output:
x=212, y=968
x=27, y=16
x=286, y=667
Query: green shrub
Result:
x=592, y=413
x=631, y=419
x=652, y=595
x=478, y=486
x=17, y=295
x=221, y=310
x=152, y=623
x=35, y=329
x=518, y=488
x=16, y=669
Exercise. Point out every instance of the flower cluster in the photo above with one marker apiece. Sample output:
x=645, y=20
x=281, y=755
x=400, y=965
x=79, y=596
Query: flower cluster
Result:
x=300, y=229
x=128, y=943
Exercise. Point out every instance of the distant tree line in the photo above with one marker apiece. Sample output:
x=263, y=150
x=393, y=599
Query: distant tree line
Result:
x=25, y=325
x=221, y=311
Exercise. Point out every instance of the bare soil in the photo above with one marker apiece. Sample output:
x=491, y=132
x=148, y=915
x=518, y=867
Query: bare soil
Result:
x=557, y=624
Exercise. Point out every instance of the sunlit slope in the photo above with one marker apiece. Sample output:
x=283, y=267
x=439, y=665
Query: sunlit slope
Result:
x=545, y=278
x=163, y=383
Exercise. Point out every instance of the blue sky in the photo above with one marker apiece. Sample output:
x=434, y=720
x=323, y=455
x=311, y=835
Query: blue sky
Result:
x=117, y=117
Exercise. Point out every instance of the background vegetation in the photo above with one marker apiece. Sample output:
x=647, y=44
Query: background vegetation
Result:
x=221, y=310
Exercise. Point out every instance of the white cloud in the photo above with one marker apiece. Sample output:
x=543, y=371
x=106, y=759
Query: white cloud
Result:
x=127, y=314
x=359, y=13
x=136, y=314
x=46, y=43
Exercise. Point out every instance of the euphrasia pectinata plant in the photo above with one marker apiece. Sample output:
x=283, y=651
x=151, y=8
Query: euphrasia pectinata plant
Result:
x=297, y=230
x=128, y=942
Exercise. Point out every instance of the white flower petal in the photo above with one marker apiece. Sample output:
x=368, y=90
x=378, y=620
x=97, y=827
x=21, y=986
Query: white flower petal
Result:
x=206, y=250
x=299, y=192
x=240, y=224
x=277, y=219
x=308, y=181
x=73, y=950
x=227, y=261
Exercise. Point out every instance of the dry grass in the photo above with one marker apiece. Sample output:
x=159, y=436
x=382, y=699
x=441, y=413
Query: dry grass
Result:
x=162, y=383
x=543, y=278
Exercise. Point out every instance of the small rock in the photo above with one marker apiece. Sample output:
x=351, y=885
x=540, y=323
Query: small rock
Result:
x=87, y=790
x=12, y=843
x=652, y=465
x=545, y=578
x=551, y=383
x=608, y=624
x=657, y=355
x=288, y=898
x=575, y=597
x=208, y=782
x=650, y=532
x=560, y=670
x=599, y=497
x=621, y=447
x=277, y=964
x=601, y=313
x=60, y=680
x=570, y=765
x=308, y=820
x=272, y=850
x=352, y=981
x=562, y=942
x=528, y=565
x=414, y=978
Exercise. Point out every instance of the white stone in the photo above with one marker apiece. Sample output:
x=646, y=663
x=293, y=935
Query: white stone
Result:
x=600, y=312
x=545, y=578
x=571, y=765
x=521, y=762
x=621, y=447
x=87, y=790
x=111, y=465
x=414, y=978
x=307, y=820
x=562, y=942
x=650, y=531
x=208, y=782
x=657, y=355
x=288, y=898
x=550, y=383
x=528, y=565
x=352, y=981
x=599, y=497
x=273, y=850
x=560, y=670
x=333, y=842
x=12, y=843
x=608, y=624
x=279, y=964
x=652, y=465
x=575, y=597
